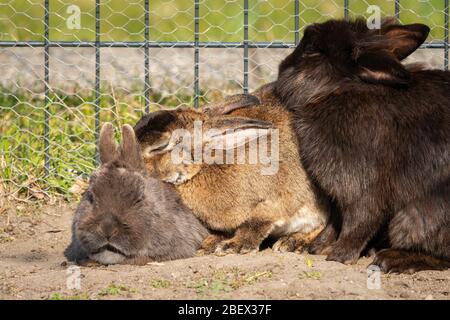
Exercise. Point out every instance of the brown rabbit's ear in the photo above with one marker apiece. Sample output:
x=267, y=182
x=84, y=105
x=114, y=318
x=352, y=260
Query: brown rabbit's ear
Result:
x=162, y=143
x=154, y=122
x=231, y=103
x=107, y=144
x=233, y=132
x=130, y=149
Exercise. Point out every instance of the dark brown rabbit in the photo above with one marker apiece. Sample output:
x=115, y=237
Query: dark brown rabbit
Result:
x=239, y=200
x=375, y=135
x=126, y=216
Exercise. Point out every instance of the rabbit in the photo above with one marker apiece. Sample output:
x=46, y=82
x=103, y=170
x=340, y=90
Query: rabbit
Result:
x=238, y=202
x=375, y=138
x=128, y=217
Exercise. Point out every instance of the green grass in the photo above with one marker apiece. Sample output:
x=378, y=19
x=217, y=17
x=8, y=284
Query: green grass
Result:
x=220, y=20
x=71, y=136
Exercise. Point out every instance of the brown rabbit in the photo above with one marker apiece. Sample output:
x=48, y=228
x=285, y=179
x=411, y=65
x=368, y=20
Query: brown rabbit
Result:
x=245, y=201
x=126, y=216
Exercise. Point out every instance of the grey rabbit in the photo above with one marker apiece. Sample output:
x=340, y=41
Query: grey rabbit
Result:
x=128, y=217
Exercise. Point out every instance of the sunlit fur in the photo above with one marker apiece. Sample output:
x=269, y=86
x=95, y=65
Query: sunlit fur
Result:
x=126, y=216
x=375, y=136
x=236, y=198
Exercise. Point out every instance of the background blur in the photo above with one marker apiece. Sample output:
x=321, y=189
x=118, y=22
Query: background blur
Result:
x=67, y=122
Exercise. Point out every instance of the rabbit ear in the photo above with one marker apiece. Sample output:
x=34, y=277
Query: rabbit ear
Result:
x=154, y=122
x=403, y=40
x=107, y=144
x=231, y=103
x=233, y=132
x=381, y=67
x=130, y=148
x=378, y=56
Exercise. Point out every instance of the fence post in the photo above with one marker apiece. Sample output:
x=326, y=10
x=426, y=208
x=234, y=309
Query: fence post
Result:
x=245, y=46
x=446, y=38
x=297, y=22
x=47, y=88
x=196, y=51
x=97, y=77
x=346, y=7
x=147, y=57
x=397, y=9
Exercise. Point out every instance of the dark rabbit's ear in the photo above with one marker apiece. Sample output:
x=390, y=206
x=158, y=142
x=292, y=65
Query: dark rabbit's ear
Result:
x=130, y=149
x=107, y=143
x=403, y=40
x=231, y=103
x=378, y=56
x=381, y=67
x=153, y=122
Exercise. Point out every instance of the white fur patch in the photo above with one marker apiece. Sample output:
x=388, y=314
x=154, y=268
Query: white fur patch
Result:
x=305, y=221
x=107, y=257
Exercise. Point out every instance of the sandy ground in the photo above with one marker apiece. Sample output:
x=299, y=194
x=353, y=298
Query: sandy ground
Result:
x=32, y=239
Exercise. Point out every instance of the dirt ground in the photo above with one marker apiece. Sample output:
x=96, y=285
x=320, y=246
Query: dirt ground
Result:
x=32, y=266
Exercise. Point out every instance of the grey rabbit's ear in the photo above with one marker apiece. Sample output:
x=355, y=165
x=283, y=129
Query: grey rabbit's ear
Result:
x=130, y=149
x=107, y=144
x=231, y=103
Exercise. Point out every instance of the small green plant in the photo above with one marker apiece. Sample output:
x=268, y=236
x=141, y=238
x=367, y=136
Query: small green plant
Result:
x=59, y=296
x=114, y=290
x=309, y=262
x=226, y=280
x=56, y=296
x=6, y=238
x=160, y=283
x=315, y=275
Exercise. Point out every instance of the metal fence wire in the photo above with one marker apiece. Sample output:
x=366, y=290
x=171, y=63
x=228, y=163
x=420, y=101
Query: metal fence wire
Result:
x=69, y=65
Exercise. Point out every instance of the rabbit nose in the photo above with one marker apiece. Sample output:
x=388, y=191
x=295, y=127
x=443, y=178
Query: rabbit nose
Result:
x=108, y=227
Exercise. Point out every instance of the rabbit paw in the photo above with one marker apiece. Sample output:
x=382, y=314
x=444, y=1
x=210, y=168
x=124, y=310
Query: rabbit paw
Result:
x=233, y=246
x=88, y=263
x=289, y=243
x=322, y=244
x=295, y=242
x=343, y=254
x=210, y=243
x=399, y=261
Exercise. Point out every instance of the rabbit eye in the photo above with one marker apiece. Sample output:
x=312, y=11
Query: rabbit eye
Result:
x=89, y=197
x=160, y=146
x=310, y=50
x=156, y=149
x=138, y=201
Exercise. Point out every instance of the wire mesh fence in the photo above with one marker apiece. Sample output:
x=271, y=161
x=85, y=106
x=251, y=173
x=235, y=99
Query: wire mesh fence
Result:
x=69, y=65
